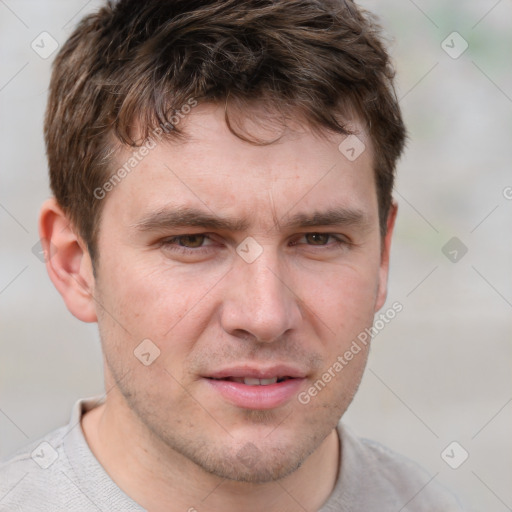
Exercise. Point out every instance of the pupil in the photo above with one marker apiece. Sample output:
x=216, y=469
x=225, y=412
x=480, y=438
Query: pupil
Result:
x=318, y=238
x=192, y=240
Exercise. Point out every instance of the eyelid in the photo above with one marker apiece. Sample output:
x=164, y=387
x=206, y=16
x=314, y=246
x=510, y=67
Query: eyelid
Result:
x=339, y=238
x=209, y=236
x=169, y=242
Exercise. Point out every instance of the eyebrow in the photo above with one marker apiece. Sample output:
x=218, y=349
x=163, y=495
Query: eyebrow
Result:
x=184, y=217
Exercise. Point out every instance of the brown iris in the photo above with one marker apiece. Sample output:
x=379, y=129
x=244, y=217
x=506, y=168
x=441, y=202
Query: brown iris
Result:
x=317, y=238
x=191, y=241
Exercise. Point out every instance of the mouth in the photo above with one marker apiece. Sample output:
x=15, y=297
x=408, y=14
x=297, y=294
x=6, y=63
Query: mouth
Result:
x=252, y=381
x=256, y=388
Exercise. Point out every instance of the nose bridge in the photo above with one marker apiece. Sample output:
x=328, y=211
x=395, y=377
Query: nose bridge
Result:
x=261, y=302
x=265, y=282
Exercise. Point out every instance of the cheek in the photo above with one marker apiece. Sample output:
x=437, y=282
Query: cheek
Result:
x=343, y=298
x=159, y=302
x=344, y=306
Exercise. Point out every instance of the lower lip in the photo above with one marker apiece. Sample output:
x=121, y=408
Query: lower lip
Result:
x=256, y=397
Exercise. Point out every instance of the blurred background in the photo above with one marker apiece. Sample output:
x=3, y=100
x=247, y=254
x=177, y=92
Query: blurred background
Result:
x=440, y=371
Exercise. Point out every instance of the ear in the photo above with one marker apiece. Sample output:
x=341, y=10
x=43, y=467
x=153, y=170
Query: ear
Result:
x=382, y=290
x=67, y=261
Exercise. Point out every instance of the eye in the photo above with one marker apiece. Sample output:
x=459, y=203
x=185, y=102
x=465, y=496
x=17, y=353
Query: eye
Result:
x=321, y=240
x=317, y=238
x=190, y=241
x=190, y=244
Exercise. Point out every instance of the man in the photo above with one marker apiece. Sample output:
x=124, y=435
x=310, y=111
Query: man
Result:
x=222, y=175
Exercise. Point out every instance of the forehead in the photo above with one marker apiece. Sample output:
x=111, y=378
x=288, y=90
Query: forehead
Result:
x=213, y=170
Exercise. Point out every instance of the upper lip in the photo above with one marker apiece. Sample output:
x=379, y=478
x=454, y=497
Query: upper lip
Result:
x=254, y=372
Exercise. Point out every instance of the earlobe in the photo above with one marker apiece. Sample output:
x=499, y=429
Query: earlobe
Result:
x=67, y=261
x=384, y=261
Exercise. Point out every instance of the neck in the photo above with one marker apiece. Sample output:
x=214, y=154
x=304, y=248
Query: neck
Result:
x=160, y=479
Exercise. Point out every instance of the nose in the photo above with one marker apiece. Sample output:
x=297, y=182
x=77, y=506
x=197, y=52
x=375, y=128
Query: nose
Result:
x=260, y=302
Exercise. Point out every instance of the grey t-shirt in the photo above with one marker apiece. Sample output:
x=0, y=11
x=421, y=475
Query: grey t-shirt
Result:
x=60, y=473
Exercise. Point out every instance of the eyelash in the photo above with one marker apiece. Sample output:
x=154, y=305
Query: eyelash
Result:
x=170, y=243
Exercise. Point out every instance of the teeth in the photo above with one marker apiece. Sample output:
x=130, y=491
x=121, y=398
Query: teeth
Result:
x=249, y=381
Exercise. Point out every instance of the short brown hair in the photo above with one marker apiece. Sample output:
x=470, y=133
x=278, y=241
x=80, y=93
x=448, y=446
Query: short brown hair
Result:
x=136, y=63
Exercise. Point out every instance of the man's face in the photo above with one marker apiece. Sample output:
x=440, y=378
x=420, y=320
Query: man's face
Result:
x=225, y=310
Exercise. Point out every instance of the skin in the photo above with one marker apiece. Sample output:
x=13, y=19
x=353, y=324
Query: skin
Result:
x=164, y=435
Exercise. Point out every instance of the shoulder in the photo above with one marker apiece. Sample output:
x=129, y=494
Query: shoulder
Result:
x=30, y=479
x=387, y=480
x=59, y=473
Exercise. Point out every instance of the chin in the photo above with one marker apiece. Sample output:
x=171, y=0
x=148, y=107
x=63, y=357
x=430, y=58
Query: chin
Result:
x=253, y=459
x=250, y=465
